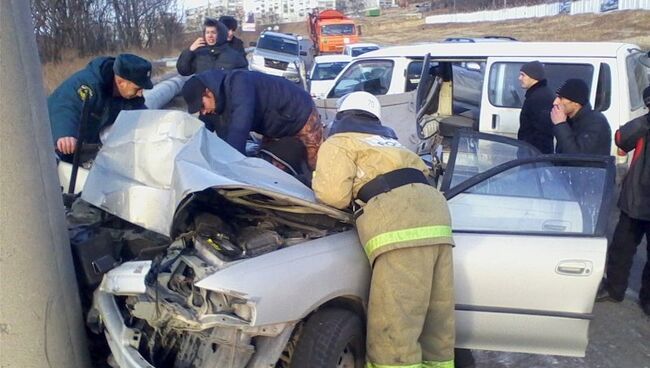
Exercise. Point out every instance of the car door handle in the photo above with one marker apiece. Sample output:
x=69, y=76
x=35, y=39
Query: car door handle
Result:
x=495, y=120
x=574, y=267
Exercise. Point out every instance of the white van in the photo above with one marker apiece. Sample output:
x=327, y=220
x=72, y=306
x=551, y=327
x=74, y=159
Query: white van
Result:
x=482, y=81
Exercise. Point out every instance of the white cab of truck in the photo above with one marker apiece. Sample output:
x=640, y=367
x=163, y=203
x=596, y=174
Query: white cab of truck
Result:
x=482, y=81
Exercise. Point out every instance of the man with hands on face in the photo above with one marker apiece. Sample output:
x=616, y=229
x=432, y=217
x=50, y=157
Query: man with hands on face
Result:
x=210, y=51
x=576, y=126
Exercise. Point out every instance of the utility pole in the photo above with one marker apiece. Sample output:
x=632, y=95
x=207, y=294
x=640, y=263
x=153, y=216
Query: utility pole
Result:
x=41, y=323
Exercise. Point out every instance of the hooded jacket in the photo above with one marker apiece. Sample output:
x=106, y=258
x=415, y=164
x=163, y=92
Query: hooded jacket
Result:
x=588, y=132
x=65, y=103
x=406, y=216
x=218, y=56
x=250, y=101
x=535, y=125
x=635, y=192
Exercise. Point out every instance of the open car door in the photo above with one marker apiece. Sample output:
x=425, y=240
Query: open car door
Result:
x=530, y=243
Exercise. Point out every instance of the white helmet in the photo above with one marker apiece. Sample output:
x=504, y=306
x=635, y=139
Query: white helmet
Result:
x=360, y=101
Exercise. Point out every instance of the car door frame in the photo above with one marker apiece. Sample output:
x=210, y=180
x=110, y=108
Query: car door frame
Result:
x=483, y=324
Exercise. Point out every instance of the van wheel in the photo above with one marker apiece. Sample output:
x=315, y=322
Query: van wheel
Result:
x=331, y=338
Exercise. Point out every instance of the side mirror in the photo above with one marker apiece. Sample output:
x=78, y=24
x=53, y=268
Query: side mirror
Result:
x=303, y=53
x=252, y=44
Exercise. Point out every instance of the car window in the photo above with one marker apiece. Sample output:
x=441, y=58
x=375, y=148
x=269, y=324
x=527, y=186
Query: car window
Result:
x=327, y=71
x=413, y=74
x=373, y=76
x=504, y=88
x=504, y=186
x=362, y=50
x=637, y=79
x=278, y=44
x=337, y=29
x=473, y=156
x=603, y=88
x=533, y=198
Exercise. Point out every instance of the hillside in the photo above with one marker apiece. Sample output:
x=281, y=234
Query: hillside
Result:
x=398, y=26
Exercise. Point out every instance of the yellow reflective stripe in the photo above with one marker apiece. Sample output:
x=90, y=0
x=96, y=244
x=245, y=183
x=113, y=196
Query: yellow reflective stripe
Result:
x=398, y=236
x=372, y=365
x=447, y=364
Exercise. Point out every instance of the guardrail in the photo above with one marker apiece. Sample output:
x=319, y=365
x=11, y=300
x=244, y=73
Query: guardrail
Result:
x=542, y=10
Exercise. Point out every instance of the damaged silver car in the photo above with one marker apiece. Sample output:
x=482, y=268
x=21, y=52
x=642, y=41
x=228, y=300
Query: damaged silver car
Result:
x=256, y=273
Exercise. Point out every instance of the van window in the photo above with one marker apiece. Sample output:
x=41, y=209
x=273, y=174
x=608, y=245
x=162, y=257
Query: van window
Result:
x=413, y=74
x=604, y=88
x=504, y=89
x=372, y=76
x=637, y=79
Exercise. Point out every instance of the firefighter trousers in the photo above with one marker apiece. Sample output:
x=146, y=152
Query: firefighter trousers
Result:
x=411, y=309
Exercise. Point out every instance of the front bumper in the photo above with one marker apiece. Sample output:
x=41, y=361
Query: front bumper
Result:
x=122, y=340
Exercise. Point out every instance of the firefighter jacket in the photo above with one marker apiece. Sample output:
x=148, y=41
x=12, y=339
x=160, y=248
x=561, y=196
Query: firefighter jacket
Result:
x=94, y=83
x=635, y=192
x=407, y=216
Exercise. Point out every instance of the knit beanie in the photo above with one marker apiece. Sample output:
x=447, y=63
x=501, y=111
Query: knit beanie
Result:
x=534, y=69
x=575, y=90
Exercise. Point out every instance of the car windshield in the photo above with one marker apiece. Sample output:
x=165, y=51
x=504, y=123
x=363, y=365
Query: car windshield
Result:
x=362, y=50
x=278, y=44
x=338, y=29
x=328, y=71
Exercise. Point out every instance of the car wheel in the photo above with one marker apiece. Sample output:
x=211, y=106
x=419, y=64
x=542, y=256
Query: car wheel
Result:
x=331, y=338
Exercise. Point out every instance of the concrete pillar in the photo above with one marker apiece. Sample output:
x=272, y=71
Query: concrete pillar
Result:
x=41, y=323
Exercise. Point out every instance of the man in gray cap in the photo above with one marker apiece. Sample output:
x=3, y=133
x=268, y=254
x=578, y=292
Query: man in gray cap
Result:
x=535, y=126
x=576, y=126
x=106, y=86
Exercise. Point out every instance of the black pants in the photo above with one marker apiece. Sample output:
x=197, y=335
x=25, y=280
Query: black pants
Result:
x=627, y=236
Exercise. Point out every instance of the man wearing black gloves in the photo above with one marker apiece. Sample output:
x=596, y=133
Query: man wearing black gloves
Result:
x=634, y=220
x=578, y=128
x=535, y=126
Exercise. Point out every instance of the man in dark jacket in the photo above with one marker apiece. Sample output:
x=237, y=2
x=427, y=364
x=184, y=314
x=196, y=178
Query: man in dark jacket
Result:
x=234, y=42
x=250, y=101
x=576, y=127
x=535, y=126
x=106, y=86
x=634, y=220
x=211, y=51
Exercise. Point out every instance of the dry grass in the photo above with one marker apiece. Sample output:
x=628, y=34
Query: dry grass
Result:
x=622, y=26
x=56, y=72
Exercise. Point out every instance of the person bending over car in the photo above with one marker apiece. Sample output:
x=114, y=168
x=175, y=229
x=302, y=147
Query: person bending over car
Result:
x=250, y=101
x=404, y=226
x=106, y=86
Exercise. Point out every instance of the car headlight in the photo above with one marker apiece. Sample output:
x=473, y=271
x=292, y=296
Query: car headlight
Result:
x=258, y=59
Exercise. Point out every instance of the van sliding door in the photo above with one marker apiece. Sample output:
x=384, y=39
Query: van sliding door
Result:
x=503, y=96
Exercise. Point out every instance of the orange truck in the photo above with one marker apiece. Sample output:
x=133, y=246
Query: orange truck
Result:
x=331, y=30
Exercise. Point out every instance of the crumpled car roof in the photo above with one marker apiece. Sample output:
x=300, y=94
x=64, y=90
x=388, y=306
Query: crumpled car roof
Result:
x=152, y=159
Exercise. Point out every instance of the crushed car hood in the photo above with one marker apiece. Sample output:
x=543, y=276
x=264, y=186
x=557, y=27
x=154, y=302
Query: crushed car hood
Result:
x=152, y=159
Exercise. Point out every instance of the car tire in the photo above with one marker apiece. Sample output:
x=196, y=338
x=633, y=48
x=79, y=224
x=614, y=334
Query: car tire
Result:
x=331, y=338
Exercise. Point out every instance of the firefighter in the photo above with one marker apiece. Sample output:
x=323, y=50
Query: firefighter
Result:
x=404, y=226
